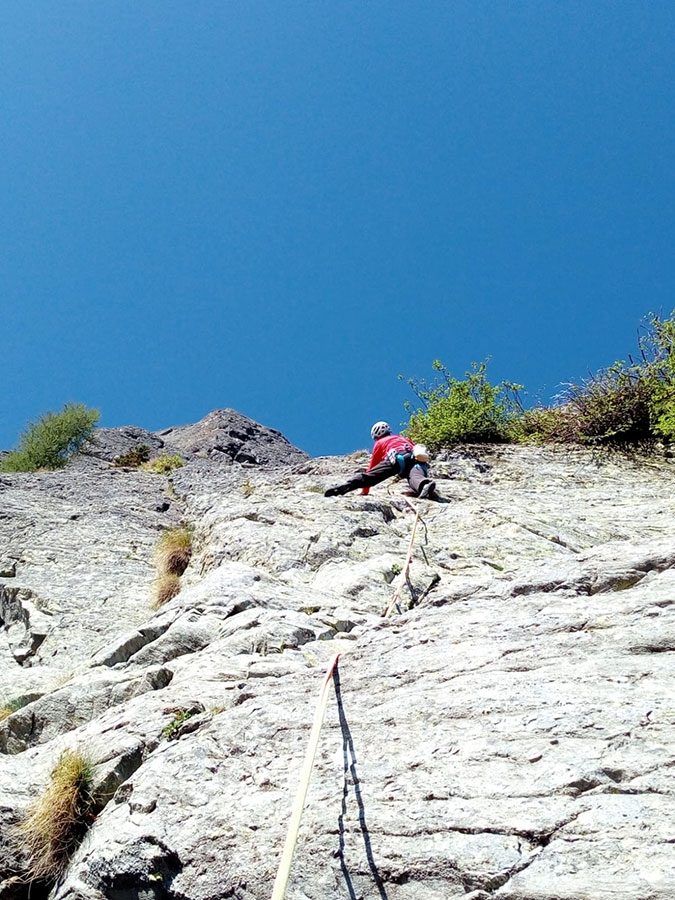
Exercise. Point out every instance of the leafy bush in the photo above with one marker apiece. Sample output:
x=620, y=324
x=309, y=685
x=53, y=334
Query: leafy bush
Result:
x=628, y=403
x=59, y=819
x=174, y=550
x=470, y=410
x=164, y=464
x=50, y=442
x=133, y=458
x=663, y=412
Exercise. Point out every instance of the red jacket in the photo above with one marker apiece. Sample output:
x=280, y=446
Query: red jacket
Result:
x=389, y=444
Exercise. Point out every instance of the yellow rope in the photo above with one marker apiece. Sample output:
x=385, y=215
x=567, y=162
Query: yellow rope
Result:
x=281, y=881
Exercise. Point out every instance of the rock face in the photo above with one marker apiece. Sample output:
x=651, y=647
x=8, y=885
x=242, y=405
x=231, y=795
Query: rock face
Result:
x=227, y=436
x=224, y=436
x=507, y=732
x=109, y=443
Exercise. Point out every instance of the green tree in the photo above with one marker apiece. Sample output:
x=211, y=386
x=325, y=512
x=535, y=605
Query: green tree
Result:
x=49, y=442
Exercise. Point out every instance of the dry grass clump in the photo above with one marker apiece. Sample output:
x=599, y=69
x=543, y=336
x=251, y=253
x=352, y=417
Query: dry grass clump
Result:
x=133, y=458
x=167, y=586
x=58, y=821
x=163, y=465
x=174, y=550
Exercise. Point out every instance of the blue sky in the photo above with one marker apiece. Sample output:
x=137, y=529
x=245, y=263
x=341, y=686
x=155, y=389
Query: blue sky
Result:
x=280, y=206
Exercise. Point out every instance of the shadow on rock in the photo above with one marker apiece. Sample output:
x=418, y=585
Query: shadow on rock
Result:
x=350, y=773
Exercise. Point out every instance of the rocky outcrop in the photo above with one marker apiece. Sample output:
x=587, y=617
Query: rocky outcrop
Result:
x=226, y=436
x=223, y=436
x=109, y=443
x=506, y=733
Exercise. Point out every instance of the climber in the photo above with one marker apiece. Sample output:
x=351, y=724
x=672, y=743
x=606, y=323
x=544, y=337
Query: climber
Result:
x=392, y=455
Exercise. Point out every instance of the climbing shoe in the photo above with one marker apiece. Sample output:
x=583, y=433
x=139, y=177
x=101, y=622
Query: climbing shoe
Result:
x=335, y=492
x=428, y=491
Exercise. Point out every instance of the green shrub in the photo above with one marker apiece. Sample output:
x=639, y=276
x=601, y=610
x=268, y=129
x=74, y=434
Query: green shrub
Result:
x=470, y=410
x=56, y=824
x=50, y=442
x=663, y=412
x=133, y=458
x=628, y=403
x=658, y=348
x=163, y=465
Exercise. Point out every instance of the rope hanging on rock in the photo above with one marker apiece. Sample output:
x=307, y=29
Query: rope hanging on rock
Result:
x=283, y=872
x=404, y=574
x=281, y=881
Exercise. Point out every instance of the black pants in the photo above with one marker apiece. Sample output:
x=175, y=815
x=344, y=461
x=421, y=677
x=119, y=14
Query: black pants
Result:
x=413, y=471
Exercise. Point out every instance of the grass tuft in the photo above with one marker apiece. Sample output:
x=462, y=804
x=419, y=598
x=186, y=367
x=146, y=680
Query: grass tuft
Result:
x=168, y=585
x=163, y=465
x=174, y=550
x=58, y=821
x=172, y=730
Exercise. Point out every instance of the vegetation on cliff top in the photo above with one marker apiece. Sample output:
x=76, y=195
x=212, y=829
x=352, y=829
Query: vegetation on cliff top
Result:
x=52, y=440
x=628, y=403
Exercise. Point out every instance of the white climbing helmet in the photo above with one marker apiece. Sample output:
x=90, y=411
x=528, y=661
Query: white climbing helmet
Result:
x=380, y=429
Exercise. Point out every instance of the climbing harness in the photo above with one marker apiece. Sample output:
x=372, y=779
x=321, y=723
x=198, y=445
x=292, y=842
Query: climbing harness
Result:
x=281, y=881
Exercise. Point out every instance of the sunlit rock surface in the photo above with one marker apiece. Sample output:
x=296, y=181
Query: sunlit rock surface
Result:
x=507, y=732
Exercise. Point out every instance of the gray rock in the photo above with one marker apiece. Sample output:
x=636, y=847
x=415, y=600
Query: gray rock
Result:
x=85, y=541
x=80, y=700
x=227, y=436
x=7, y=568
x=109, y=443
x=507, y=732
